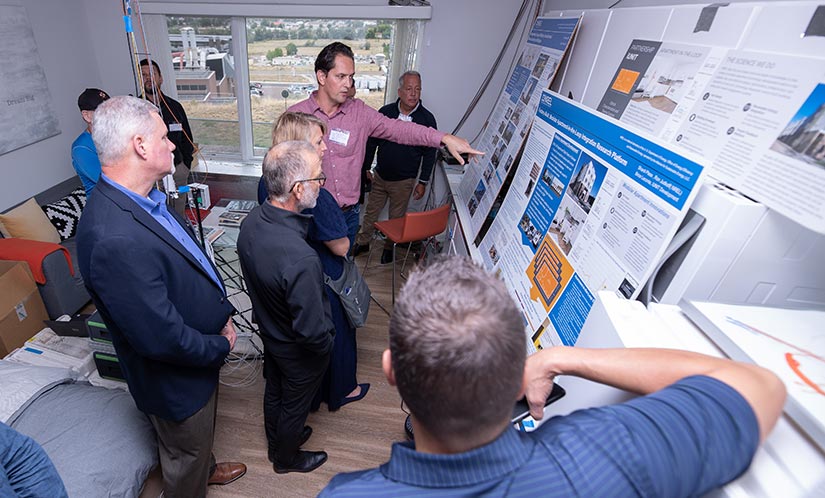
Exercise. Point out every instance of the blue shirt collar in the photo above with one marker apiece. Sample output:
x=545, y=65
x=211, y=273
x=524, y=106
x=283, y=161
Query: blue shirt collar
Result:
x=154, y=202
x=492, y=461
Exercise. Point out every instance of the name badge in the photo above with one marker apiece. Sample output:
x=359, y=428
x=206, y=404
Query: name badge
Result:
x=341, y=137
x=175, y=127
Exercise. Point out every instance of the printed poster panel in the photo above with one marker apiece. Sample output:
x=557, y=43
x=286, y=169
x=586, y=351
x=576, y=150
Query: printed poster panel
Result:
x=657, y=83
x=592, y=207
x=26, y=114
x=505, y=130
x=760, y=123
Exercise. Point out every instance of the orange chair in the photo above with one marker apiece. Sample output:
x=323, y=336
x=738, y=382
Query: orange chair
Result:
x=411, y=227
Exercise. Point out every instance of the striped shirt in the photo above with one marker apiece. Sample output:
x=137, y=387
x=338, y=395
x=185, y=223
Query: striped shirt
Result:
x=685, y=440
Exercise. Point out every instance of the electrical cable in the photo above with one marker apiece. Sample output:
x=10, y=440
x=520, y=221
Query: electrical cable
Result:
x=158, y=99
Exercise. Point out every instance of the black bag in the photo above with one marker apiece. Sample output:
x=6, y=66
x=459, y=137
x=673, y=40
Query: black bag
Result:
x=353, y=291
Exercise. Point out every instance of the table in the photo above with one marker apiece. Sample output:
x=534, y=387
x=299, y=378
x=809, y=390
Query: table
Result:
x=225, y=256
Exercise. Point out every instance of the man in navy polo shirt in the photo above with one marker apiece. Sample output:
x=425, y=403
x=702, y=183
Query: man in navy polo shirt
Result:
x=396, y=176
x=457, y=356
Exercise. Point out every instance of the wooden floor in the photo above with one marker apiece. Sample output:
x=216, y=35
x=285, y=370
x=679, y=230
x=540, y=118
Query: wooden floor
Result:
x=358, y=436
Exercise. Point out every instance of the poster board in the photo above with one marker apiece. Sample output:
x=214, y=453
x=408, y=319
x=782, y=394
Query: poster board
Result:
x=26, y=114
x=592, y=207
x=508, y=124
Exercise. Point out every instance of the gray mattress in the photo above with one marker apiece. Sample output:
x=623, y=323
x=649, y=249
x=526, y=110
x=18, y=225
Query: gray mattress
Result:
x=99, y=442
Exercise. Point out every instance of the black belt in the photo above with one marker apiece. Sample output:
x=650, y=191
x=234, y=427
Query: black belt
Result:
x=348, y=208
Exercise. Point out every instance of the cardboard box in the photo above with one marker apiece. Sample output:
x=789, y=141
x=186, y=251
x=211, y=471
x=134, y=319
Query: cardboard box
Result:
x=21, y=310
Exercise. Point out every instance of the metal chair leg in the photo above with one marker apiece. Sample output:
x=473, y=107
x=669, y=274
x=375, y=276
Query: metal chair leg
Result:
x=364, y=273
x=393, y=274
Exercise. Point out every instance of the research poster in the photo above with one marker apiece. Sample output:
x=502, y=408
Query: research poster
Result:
x=592, y=207
x=760, y=124
x=506, y=128
x=657, y=83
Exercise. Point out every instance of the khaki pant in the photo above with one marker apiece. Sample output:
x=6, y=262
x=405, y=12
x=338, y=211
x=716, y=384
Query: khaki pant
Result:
x=185, y=450
x=398, y=194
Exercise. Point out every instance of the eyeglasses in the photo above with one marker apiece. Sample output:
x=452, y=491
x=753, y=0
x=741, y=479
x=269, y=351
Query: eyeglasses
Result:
x=321, y=181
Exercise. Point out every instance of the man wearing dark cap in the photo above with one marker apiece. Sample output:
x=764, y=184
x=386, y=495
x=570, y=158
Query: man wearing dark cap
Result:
x=84, y=154
x=176, y=123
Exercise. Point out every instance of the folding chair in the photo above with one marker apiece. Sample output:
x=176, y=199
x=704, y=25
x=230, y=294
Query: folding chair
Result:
x=409, y=228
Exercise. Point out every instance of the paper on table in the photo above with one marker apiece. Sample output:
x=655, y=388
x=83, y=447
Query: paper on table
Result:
x=791, y=343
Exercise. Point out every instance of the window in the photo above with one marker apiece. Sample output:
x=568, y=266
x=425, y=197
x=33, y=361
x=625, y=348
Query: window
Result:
x=231, y=73
x=205, y=77
x=282, y=52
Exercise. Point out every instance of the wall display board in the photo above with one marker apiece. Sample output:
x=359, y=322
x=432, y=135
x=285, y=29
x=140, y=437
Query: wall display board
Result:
x=761, y=335
x=760, y=124
x=512, y=115
x=657, y=83
x=26, y=114
x=592, y=207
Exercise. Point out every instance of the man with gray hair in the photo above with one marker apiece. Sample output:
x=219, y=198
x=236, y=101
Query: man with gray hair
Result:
x=286, y=286
x=395, y=173
x=457, y=356
x=158, y=293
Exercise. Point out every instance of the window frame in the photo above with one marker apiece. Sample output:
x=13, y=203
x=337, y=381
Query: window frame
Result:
x=238, y=14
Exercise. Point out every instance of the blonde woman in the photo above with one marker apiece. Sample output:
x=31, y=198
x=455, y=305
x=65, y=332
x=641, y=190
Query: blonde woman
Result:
x=328, y=236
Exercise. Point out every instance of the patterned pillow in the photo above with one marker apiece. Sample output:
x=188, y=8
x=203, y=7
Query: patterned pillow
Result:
x=65, y=213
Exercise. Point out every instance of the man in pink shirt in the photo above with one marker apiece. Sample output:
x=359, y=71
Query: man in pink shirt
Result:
x=351, y=122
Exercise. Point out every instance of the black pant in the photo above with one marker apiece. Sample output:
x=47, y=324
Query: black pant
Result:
x=291, y=383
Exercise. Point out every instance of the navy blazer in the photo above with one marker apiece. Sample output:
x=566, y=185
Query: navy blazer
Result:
x=163, y=310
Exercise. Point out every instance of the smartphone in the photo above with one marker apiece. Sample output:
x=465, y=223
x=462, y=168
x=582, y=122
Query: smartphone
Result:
x=521, y=410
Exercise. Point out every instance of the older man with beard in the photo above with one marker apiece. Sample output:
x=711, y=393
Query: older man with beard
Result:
x=286, y=285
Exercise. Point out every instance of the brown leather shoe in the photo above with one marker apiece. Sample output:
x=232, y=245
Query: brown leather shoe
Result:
x=226, y=472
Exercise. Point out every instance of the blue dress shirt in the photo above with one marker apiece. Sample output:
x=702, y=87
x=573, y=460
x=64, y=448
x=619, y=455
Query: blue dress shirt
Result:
x=155, y=205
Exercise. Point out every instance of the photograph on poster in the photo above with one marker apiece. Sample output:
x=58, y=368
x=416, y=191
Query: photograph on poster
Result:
x=508, y=113
x=493, y=253
x=488, y=173
x=508, y=163
x=496, y=159
x=472, y=205
x=508, y=132
x=587, y=179
x=567, y=224
x=803, y=139
x=480, y=190
x=528, y=90
x=529, y=188
x=540, y=64
x=664, y=83
x=517, y=115
x=534, y=171
x=531, y=233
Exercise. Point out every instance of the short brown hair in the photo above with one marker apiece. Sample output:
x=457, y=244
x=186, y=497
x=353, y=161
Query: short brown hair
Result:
x=458, y=348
